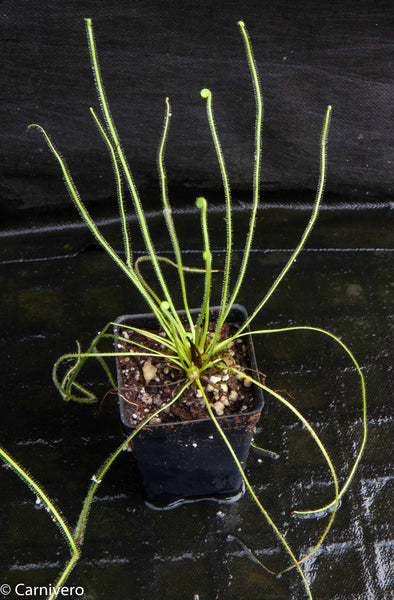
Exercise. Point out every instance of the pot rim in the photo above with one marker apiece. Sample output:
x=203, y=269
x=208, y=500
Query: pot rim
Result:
x=258, y=394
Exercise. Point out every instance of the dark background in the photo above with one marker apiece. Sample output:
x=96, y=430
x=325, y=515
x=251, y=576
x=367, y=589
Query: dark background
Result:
x=309, y=54
x=56, y=286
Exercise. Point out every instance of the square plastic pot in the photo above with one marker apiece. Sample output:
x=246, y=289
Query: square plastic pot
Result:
x=189, y=459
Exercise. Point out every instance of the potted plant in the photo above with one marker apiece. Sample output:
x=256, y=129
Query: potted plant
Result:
x=195, y=350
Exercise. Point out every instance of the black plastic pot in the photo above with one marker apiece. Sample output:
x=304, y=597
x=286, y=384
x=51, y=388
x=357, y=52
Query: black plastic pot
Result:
x=189, y=459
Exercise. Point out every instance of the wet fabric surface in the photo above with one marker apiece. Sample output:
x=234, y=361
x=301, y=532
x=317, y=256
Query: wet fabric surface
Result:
x=58, y=287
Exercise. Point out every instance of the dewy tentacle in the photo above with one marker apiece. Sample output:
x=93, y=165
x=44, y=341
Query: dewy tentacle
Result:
x=322, y=449
x=280, y=536
x=206, y=93
x=127, y=172
x=125, y=231
x=201, y=203
x=167, y=211
x=257, y=163
x=309, y=227
x=364, y=405
x=53, y=511
x=72, y=189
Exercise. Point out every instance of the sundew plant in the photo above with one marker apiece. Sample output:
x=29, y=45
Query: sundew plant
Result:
x=188, y=347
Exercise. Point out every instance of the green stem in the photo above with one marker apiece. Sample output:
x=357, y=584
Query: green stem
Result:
x=102, y=471
x=179, y=338
x=79, y=531
x=126, y=170
x=322, y=449
x=167, y=261
x=167, y=211
x=253, y=494
x=125, y=232
x=206, y=93
x=94, y=229
x=200, y=342
x=65, y=386
x=65, y=390
x=58, y=519
x=269, y=453
x=364, y=406
x=309, y=227
x=257, y=168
